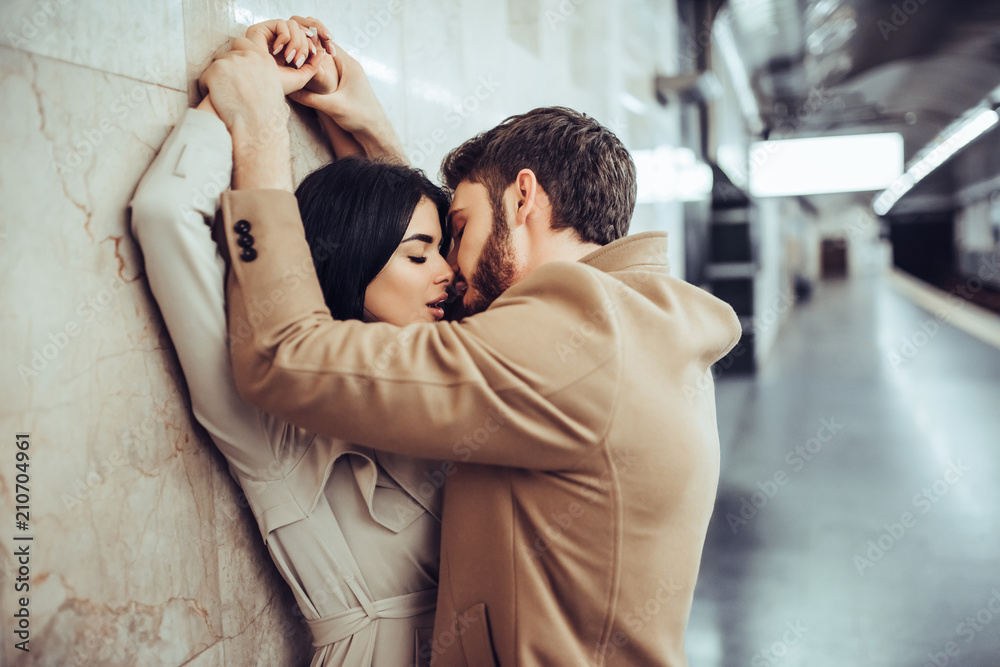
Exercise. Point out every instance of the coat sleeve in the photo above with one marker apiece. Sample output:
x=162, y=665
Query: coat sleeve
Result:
x=514, y=385
x=186, y=276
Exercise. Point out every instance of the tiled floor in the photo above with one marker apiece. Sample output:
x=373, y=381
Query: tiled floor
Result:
x=858, y=517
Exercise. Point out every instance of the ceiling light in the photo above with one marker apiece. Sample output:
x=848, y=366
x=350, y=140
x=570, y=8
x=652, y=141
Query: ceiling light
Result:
x=954, y=138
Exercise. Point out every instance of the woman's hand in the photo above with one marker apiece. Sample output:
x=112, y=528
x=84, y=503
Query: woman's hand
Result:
x=340, y=89
x=327, y=76
x=296, y=48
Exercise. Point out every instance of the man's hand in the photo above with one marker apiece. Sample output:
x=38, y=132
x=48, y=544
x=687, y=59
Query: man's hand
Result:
x=245, y=88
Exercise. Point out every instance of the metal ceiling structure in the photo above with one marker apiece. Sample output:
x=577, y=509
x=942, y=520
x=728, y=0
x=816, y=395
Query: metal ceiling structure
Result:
x=911, y=66
x=827, y=67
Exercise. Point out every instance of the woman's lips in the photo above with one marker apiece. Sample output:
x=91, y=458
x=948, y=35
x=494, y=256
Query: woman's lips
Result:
x=437, y=306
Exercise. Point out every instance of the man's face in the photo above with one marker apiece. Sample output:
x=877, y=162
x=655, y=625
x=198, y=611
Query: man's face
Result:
x=482, y=254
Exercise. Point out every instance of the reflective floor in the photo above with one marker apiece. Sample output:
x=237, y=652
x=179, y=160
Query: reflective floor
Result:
x=858, y=517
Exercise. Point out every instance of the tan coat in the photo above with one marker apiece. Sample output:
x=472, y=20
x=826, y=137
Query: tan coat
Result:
x=579, y=409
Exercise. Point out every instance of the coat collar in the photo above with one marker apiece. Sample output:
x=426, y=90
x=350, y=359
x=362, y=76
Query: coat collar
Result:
x=647, y=250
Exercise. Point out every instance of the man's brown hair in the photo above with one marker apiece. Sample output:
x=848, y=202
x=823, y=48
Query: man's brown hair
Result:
x=587, y=173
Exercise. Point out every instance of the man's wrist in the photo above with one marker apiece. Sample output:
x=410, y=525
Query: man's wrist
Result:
x=261, y=157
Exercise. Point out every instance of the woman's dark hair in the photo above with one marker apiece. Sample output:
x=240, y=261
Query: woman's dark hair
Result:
x=355, y=212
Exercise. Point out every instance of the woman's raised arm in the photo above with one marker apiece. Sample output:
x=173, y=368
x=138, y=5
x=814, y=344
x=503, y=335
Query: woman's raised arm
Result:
x=175, y=197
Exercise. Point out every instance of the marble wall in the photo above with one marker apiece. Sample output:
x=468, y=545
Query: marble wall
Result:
x=142, y=551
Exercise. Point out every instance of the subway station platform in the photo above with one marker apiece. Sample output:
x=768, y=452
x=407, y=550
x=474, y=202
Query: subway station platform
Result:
x=858, y=515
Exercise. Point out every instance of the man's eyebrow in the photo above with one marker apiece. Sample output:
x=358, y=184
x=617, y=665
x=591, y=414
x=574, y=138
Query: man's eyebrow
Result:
x=425, y=238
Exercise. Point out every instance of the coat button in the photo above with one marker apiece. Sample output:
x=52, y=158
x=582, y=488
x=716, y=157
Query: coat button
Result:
x=244, y=241
x=241, y=227
x=248, y=254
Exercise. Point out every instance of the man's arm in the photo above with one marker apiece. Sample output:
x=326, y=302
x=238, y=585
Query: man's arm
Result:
x=468, y=391
x=490, y=389
x=246, y=92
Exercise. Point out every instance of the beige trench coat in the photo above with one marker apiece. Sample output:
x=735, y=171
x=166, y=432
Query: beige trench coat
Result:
x=355, y=533
x=580, y=410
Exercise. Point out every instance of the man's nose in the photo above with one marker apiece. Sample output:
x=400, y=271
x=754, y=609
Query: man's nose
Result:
x=452, y=258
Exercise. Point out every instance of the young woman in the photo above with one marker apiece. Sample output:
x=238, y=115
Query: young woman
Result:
x=355, y=533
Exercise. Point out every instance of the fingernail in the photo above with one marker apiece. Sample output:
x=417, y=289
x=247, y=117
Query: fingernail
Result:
x=289, y=55
x=312, y=48
x=276, y=49
x=312, y=31
x=302, y=59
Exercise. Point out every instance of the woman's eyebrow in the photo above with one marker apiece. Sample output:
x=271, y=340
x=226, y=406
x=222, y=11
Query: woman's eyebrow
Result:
x=425, y=238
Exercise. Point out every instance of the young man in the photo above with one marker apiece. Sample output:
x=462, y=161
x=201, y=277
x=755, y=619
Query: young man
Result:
x=574, y=408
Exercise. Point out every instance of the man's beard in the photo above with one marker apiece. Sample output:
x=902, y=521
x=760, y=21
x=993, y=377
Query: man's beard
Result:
x=497, y=269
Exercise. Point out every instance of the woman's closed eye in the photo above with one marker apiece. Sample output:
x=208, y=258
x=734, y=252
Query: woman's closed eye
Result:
x=418, y=260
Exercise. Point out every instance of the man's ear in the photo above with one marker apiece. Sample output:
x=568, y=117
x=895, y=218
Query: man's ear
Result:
x=526, y=192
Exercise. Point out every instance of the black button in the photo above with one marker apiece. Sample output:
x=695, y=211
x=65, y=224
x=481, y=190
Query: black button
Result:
x=241, y=227
x=244, y=241
x=248, y=254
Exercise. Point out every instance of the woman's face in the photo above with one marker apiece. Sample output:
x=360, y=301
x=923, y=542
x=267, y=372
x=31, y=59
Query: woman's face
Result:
x=411, y=286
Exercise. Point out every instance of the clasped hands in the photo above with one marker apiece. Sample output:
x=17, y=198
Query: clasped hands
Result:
x=298, y=58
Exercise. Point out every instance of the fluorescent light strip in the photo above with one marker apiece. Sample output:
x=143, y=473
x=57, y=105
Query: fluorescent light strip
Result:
x=956, y=137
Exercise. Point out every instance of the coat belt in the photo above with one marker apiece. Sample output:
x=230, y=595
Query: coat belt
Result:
x=332, y=629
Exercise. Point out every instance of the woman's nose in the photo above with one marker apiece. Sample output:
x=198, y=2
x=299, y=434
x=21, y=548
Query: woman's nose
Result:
x=445, y=273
